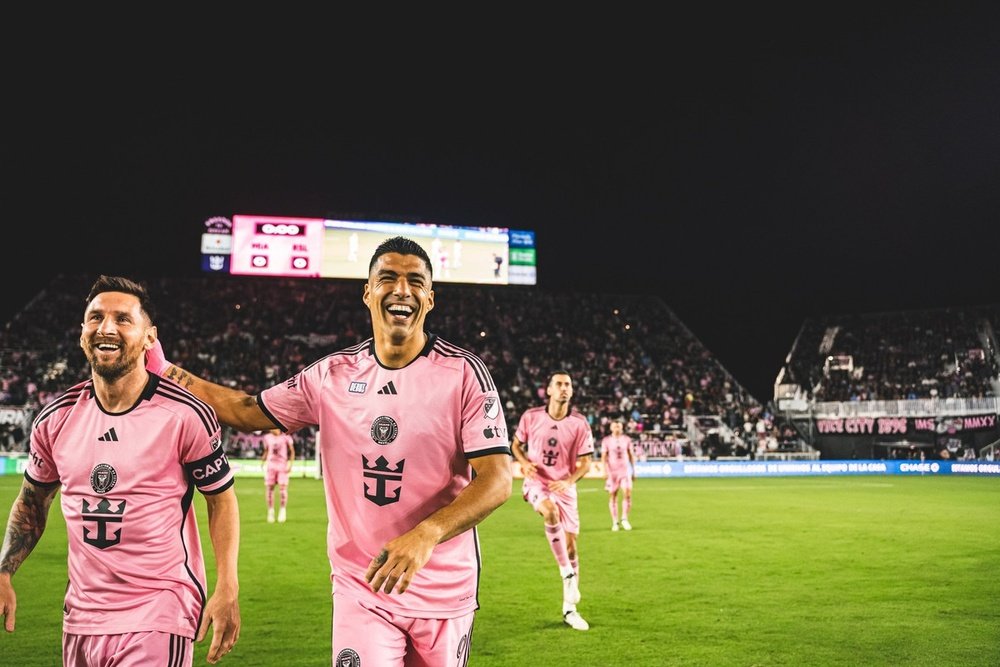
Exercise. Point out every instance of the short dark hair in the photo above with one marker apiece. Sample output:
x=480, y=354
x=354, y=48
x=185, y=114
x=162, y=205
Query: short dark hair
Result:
x=403, y=246
x=127, y=286
x=559, y=372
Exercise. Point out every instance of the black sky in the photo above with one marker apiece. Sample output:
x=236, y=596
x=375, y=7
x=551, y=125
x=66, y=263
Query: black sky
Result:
x=752, y=172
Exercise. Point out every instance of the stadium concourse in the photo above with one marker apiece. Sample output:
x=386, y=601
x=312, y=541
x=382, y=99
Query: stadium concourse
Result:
x=923, y=373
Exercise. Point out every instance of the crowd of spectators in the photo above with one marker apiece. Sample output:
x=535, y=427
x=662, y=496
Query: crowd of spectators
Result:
x=629, y=355
x=945, y=353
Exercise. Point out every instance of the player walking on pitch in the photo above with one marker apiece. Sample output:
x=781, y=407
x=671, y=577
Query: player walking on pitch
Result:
x=554, y=445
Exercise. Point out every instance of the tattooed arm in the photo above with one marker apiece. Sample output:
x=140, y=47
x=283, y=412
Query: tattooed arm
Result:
x=24, y=528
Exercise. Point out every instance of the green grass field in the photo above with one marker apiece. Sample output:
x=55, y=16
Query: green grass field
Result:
x=852, y=571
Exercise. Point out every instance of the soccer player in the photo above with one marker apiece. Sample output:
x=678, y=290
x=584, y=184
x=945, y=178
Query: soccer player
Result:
x=554, y=445
x=414, y=454
x=127, y=449
x=618, y=454
x=279, y=452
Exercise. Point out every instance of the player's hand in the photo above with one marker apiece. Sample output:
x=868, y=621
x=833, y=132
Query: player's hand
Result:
x=8, y=603
x=400, y=559
x=222, y=613
x=560, y=485
x=528, y=469
x=156, y=360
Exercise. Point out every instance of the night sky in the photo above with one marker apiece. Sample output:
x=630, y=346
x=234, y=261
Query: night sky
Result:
x=750, y=173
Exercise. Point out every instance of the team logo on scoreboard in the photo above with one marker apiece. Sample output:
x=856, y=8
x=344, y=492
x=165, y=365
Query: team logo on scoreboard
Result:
x=384, y=430
x=348, y=658
x=103, y=478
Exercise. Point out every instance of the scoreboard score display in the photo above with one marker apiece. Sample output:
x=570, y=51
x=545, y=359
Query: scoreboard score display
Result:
x=255, y=245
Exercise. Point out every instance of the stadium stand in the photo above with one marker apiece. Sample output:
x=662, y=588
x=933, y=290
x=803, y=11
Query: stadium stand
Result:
x=630, y=355
x=921, y=384
x=913, y=384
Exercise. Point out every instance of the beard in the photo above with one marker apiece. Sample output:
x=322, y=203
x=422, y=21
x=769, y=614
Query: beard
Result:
x=112, y=370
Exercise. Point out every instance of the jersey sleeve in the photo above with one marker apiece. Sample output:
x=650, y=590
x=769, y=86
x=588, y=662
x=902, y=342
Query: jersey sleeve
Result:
x=294, y=403
x=484, y=428
x=585, y=442
x=203, y=457
x=41, y=469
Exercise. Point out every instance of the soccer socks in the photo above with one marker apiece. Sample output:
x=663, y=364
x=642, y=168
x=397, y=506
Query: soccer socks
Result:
x=626, y=507
x=613, y=506
x=557, y=542
x=284, y=496
x=269, y=495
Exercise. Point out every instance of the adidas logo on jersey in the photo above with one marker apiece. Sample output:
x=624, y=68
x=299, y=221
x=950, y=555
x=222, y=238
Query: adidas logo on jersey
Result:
x=109, y=436
x=388, y=389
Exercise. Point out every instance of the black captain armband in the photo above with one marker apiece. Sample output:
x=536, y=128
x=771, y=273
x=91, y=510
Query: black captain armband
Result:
x=208, y=470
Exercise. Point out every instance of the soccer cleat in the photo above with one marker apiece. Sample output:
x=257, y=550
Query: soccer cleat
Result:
x=571, y=589
x=614, y=526
x=281, y=515
x=626, y=525
x=575, y=621
x=270, y=515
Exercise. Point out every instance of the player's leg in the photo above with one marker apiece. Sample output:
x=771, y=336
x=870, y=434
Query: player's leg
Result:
x=435, y=642
x=612, y=488
x=626, y=502
x=283, y=494
x=270, y=479
x=538, y=496
x=131, y=649
x=570, y=517
x=364, y=635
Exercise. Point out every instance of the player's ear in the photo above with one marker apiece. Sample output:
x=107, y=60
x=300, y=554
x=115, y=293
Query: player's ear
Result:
x=151, y=336
x=366, y=295
x=430, y=301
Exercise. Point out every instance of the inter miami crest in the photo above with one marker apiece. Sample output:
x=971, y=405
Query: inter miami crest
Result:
x=103, y=478
x=384, y=430
x=348, y=658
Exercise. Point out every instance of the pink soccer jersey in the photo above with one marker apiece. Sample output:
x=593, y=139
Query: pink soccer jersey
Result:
x=276, y=447
x=395, y=446
x=554, y=445
x=127, y=481
x=614, y=453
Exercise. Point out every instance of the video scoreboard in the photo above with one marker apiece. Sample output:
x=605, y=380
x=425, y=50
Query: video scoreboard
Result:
x=257, y=245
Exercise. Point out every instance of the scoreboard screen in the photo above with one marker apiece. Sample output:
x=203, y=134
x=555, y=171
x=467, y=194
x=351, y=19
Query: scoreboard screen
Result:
x=256, y=245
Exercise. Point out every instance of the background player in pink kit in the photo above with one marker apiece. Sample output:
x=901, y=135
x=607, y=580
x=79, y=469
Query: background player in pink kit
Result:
x=618, y=455
x=554, y=446
x=128, y=449
x=279, y=452
x=414, y=453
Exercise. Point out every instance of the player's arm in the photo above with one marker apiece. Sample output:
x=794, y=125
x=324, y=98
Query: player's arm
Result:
x=631, y=458
x=233, y=407
x=291, y=454
x=401, y=557
x=25, y=526
x=222, y=611
x=517, y=449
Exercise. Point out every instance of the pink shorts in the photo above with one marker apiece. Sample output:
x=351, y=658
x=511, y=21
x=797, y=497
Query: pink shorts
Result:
x=131, y=649
x=615, y=482
x=535, y=491
x=274, y=476
x=365, y=635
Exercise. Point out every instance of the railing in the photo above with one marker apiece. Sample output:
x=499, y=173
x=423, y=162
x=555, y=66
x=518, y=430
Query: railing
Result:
x=921, y=407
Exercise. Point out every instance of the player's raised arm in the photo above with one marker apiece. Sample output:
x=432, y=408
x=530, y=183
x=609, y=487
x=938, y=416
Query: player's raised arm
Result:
x=235, y=408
